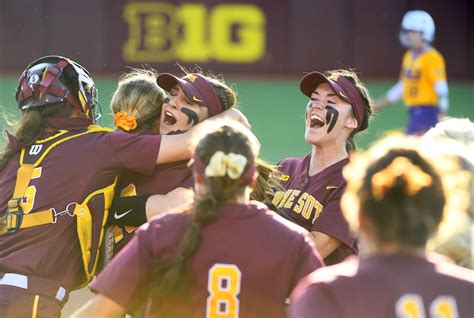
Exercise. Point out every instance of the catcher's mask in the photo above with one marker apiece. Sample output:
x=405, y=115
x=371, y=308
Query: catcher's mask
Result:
x=55, y=79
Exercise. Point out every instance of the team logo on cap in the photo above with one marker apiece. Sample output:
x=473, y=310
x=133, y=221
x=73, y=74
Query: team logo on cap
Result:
x=191, y=77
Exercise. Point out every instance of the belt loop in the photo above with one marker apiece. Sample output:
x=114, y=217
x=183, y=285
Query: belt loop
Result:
x=61, y=294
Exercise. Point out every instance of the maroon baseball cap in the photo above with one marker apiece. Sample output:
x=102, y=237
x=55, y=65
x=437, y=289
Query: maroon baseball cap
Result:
x=196, y=88
x=342, y=87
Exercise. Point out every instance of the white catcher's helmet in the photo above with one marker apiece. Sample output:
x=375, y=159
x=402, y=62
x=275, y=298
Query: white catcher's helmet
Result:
x=420, y=21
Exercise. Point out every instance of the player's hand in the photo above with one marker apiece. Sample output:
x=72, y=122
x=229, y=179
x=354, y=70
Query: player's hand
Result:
x=379, y=104
x=234, y=114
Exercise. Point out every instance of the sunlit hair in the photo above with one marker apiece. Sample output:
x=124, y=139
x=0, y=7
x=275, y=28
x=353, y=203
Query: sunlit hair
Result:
x=137, y=101
x=267, y=182
x=454, y=138
x=171, y=276
x=31, y=126
x=351, y=75
x=458, y=129
x=399, y=189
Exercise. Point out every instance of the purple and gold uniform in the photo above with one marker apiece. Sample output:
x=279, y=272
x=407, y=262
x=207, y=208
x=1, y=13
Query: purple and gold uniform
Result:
x=419, y=74
x=164, y=179
x=247, y=263
x=389, y=286
x=313, y=202
x=69, y=173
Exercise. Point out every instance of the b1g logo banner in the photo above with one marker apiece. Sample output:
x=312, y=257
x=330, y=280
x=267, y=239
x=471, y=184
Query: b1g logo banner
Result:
x=232, y=33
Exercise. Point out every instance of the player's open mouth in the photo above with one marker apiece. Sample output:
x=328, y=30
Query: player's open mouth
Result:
x=316, y=121
x=169, y=120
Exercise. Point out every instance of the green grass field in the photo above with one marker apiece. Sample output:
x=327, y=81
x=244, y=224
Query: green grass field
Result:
x=275, y=109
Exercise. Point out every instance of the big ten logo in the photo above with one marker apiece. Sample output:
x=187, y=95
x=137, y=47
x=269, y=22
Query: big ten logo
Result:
x=192, y=32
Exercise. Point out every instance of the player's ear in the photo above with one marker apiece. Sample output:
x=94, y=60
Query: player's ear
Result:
x=351, y=122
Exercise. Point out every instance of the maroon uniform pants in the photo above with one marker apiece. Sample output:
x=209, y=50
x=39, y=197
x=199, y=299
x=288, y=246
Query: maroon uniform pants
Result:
x=18, y=303
x=32, y=297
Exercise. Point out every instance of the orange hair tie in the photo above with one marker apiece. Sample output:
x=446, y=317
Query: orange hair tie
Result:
x=416, y=179
x=125, y=121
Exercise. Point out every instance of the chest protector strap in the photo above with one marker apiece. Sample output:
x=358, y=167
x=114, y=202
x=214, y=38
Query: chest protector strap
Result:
x=90, y=236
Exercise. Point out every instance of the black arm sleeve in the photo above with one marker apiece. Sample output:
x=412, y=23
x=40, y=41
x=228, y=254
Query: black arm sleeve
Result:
x=128, y=210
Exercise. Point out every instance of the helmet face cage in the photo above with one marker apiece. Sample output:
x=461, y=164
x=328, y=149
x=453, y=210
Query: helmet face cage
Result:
x=87, y=93
x=40, y=85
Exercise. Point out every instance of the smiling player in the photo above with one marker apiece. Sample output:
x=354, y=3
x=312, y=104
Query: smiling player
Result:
x=140, y=100
x=340, y=107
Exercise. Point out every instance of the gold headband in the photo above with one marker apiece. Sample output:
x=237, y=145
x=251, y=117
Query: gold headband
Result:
x=416, y=179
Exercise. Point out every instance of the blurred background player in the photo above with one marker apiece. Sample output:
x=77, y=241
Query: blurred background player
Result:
x=205, y=262
x=422, y=82
x=339, y=108
x=395, y=199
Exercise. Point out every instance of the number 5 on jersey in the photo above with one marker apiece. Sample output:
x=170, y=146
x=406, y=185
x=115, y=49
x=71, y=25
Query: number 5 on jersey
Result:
x=28, y=199
x=224, y=286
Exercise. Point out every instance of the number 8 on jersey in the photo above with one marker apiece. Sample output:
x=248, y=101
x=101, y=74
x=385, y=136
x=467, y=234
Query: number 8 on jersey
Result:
x=224, y=287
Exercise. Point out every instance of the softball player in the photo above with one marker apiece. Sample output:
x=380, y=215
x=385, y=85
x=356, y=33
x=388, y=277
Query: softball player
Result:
x=192, y=98
x=141, y=107
x=422, y=83
x=339, y=108
x=395, y=198
x=227, y=256
x=57, y=178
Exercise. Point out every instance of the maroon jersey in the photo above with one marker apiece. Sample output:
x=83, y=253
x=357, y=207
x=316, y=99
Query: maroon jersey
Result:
x=313, y=202
x=164, y=179
x=247, y=263
x=69, y=173
x=389, y=286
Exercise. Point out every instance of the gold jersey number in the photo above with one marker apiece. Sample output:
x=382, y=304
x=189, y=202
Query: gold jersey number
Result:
x=224, y=286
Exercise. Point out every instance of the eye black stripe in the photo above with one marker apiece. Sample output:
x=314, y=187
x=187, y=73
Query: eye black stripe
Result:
x=193, y=118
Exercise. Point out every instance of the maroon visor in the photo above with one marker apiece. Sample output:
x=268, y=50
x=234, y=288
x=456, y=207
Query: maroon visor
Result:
x=342, y=87
x=196, y=88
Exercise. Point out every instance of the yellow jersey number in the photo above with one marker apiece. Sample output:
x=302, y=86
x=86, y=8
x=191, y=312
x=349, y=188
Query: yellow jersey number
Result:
x=28, y=200
x=224, y=286
x=411, y=306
